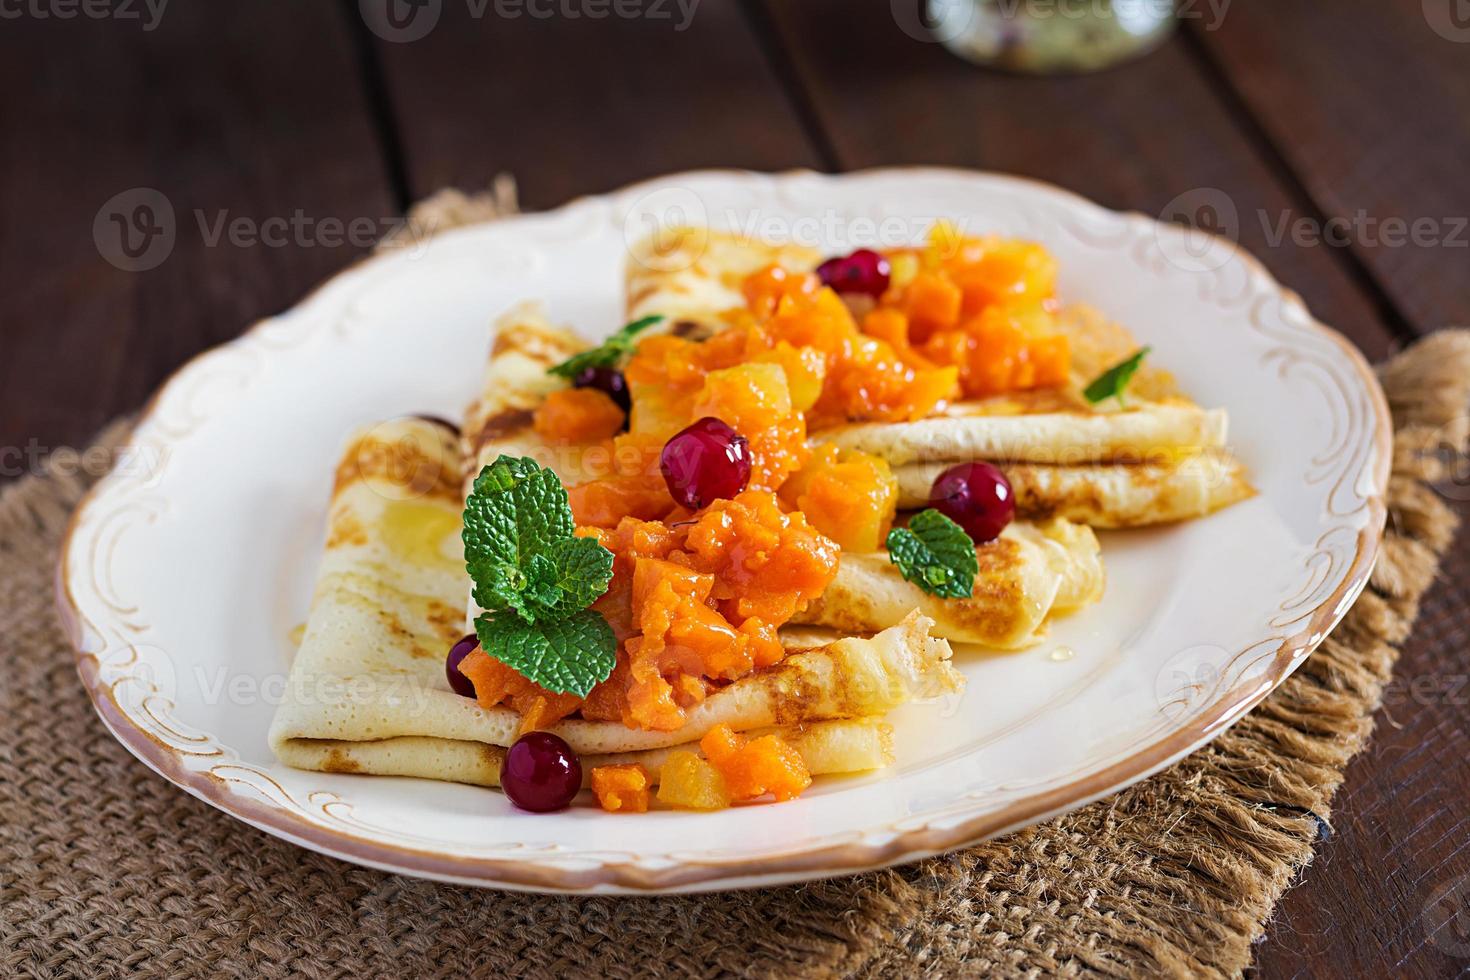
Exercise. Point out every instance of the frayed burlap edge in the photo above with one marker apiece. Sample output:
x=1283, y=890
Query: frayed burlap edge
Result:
x=451, y=207
x=111, y=871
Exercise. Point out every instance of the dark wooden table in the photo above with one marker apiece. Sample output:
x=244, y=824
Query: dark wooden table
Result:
x=1339, y=131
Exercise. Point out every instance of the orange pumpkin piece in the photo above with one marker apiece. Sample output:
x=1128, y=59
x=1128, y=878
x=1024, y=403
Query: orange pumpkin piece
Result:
x=888, y=325
x=767, y=564
x=764, y=290
x=755, y=401
x=699, y=601
x=998, y=351
x=603, y=503
x=578, y=415
x=720, y=744
x=984, y=306
x=933, y=303
x=621, y=788
x=688, y=781
x=496, y=684
x=1005, y=272
x=754, y=768
x=860, y=378
x=805, y=369
x=847, y=495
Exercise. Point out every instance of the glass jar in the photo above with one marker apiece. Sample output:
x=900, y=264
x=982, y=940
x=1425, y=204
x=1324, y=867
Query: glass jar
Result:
x=1041, y=36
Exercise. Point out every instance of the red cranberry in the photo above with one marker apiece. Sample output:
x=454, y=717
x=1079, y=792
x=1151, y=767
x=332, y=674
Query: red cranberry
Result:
x=977, y=497
x=864, y=271
x=541, y=773
x=705, y=461
x=459, y=682
x=609, y=381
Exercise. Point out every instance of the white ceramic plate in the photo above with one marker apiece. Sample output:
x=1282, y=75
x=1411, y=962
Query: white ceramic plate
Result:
x=188, y=568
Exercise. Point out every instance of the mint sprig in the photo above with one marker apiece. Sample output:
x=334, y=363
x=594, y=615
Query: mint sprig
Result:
x=935, y=554
x=608, y=353
x=535, y=578
x=1112, y=382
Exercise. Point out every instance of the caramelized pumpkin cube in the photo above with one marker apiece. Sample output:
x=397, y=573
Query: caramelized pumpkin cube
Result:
x=769, y=765
x=683, y=582
x=578, y=415
x=604, y=502
x=720, y=744
x=764, y=290
x=621, y=788
x=933, y=303
x=754, y=768
x=748, y=397
x=1008, y=271
x=688, y=781
x=805, y=368
x=849, y=496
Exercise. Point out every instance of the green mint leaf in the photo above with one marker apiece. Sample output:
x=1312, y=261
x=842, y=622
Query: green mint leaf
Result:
x=516, y=510
x=935, y=554
x=568, y=656
x=530, y=592
x=608, y=353
x=1110, y=383
x=504, y=589
x=536, y=578
x=577, y=572
x=542, y=589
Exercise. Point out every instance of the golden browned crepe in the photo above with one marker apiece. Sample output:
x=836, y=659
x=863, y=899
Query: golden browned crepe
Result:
x=1105, y=495
x=826, y=748
x=969, y=431
x=525, y=344
x=1030, y=575
x=692, y=275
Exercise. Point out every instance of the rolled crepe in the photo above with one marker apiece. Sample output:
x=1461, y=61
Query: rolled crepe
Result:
x=516, y=381
x=1142, y=431
x=692, y=275
x=367, y=690
x=1028, y=576
x=1105, y=495
x=826, y=747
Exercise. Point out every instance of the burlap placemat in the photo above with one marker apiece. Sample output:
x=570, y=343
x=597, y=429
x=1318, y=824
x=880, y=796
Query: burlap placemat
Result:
x=105, y=869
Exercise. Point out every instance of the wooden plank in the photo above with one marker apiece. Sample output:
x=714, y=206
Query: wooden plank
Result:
x=1402, y=832
x=227, y=114
x=1148, y=136
x=576, y=105
x=1368, y=104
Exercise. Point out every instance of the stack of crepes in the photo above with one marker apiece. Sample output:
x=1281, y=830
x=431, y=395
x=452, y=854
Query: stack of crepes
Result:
x=1153, y=458
x=368, y=691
